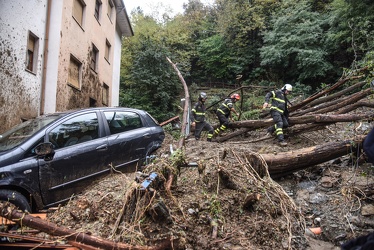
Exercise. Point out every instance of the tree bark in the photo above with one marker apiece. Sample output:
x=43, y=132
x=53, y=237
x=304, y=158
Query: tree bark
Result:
x=361, y=103
x=324, y=92
x=336, y=95
x=285, y=163
x=318, y=118
x=52, y=229
x=185, y=121
x=335, y=104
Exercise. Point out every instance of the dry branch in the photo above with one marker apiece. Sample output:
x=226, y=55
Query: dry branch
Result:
x=69, y=234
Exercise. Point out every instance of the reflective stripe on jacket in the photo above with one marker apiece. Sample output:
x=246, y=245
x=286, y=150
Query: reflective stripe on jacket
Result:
x=226, y=107
x=277, y=99
x=198, y=112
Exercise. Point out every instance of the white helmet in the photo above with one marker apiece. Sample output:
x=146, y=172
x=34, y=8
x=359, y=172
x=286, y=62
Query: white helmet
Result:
x=287, y=87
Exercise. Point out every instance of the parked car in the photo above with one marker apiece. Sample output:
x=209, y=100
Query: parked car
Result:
x=44, y=161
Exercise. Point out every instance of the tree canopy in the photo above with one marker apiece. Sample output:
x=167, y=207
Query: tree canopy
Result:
x=305, y=42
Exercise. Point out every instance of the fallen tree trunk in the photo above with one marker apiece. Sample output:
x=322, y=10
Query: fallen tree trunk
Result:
x=285, y=163
x=335, y=104
x=324, y=92
x=361, y=103
x=8, y=212
x=346, y=102
x=317, y=118
x=336, y=95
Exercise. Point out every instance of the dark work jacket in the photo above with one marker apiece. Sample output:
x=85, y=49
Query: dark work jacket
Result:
x=198, y=112
x=277, y=99
x=226, y=107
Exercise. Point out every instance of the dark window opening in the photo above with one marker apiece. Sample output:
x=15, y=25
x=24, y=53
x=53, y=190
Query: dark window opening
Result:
x=93, y=102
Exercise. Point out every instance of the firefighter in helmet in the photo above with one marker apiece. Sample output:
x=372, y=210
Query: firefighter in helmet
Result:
x=224, y=112
x=198, y=118
x=278, y=111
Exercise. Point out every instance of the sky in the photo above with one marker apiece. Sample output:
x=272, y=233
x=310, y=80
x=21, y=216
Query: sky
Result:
x=149, y=5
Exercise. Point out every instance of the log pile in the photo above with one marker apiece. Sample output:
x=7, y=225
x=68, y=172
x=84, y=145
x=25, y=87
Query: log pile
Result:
x=345, y=101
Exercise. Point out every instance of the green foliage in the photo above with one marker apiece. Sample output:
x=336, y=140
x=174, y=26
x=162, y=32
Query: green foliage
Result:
x=351, y=30
x=150, y=82
x=175, y=133
x=302, y=42
x=294, y=47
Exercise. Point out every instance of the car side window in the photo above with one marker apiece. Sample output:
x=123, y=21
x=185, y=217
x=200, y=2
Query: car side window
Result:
x=121, y=121
x=76, y=130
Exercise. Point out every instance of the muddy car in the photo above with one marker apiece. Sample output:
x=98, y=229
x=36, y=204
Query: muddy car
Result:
x=44, y=161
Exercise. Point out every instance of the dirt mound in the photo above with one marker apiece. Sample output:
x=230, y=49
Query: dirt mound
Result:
x=220, y=200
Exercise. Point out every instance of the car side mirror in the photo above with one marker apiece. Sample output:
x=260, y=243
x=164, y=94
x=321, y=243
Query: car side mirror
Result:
x=45, y=150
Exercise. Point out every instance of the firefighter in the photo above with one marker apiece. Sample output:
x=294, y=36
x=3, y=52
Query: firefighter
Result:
x=224, y=112
x=278, y=111
x=198, y=118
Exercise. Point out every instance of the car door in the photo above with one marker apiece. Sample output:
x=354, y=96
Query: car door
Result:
x=79, y=158
x=128, y=139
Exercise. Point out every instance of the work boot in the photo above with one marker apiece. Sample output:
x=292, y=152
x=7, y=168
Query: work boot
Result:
x=283, y=143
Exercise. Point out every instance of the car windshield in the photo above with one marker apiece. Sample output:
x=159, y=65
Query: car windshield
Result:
x=20, y=133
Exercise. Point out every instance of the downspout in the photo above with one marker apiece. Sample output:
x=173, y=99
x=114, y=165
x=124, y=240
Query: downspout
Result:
x=45, y=57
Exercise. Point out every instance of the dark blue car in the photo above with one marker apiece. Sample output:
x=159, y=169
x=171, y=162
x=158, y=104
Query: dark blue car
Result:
x=44, y=161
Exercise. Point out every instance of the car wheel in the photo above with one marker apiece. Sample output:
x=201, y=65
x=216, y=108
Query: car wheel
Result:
x=15, y=198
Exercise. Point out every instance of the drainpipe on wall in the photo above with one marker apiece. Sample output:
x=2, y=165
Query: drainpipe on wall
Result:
x=45, y=58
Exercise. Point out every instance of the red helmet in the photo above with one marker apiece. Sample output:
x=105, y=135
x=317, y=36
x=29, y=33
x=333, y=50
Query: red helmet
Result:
x=235, y=96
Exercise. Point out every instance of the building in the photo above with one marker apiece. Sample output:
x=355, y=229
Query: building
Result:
x=57, y=55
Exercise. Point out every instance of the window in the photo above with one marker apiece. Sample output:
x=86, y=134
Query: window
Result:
x=32, y=52
x=74, y=77
x=93, y=102
x=105, y=94
x=107, y=50
x=94, y=57
x=79, y=129
x=78, y=11
x=110, y=9
x=97, y=9
x=122, y=121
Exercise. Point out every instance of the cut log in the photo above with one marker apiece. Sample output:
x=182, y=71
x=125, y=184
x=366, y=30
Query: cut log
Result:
x=285, y=163
x=324, y=92
x=69, y=234
x=361, y=103
x=336, y=95
x=317, y=118
x=348, y=101
x=335, y=104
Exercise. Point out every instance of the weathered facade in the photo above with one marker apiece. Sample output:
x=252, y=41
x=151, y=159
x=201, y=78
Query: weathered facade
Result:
x=59, y=55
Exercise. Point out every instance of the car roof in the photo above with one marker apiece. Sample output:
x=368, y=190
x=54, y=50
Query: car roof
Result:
x=62, y=113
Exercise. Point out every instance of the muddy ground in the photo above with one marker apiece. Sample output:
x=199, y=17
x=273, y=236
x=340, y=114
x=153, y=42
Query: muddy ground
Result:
x=206, y=206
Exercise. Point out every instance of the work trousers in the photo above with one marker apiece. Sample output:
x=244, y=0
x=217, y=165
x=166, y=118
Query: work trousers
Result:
x=200, y=126
x=280, y=122
x=223, y=123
